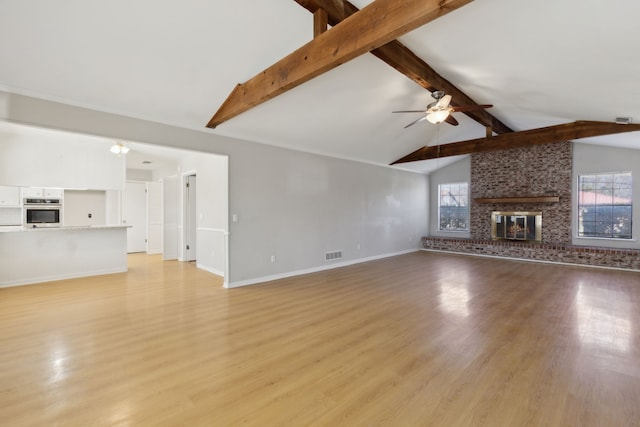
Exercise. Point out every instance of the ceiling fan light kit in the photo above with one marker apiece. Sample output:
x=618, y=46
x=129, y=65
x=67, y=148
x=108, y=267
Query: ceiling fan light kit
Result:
x=439, y=111
x=437, y=117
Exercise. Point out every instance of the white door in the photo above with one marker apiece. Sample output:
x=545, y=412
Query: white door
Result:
x=134, y=214
x=154, y=215
x=190, y=218
x=170, y=187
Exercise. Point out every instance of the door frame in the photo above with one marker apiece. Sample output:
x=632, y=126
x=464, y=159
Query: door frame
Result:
x=185, y=223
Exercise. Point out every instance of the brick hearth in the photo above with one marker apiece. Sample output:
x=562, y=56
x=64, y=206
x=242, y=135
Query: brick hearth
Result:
x=581, y=255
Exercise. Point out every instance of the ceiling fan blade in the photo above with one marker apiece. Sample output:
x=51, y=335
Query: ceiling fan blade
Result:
x=416, y=121
x=471, y=107
x=451, y=120
x=444, y=102
x=409, y=111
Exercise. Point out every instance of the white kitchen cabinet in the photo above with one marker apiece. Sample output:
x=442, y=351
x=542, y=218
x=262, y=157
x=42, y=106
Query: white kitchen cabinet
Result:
x=53, y=193
x=9, y=196
x=32, y=192
x=47, y=193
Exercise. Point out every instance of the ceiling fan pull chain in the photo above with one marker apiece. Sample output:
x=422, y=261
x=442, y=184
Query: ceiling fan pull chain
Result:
x=438, y=143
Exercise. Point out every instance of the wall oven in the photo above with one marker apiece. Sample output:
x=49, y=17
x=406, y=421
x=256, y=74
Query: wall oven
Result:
x=42, y=212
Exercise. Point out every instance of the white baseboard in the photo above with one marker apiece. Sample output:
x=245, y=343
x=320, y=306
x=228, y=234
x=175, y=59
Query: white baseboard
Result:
x=35, y=280
x=314, y=269
x=210, y=270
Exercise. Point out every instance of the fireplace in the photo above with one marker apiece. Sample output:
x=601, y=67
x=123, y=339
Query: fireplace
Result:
x=523, y=226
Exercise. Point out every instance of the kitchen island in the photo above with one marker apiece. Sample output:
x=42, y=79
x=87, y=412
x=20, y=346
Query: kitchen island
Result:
x=34, y=255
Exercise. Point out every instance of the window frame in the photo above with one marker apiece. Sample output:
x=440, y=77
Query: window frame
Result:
x=580, y=206
x=467, y=206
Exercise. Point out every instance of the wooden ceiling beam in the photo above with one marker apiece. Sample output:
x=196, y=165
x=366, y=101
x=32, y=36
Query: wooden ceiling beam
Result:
x=375, y=25
x=320, y=22
x=405, y=61
x=550, y=134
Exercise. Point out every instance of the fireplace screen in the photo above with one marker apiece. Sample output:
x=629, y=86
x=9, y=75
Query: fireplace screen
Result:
x=516, y=226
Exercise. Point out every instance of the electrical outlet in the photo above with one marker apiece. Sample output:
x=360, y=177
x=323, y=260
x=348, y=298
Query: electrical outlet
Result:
x=273, y=258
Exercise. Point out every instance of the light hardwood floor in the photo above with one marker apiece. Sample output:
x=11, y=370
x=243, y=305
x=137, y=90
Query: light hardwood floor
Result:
x=419, y=339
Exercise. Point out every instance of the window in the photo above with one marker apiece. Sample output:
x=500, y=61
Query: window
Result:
x=453, y=206
x=605, y=205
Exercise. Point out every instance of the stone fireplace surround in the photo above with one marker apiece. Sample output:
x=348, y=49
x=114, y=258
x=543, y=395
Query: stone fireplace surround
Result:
x=536, y=173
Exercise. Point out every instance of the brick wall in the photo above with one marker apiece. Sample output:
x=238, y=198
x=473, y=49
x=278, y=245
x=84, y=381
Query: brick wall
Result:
x=541, y=170
x=537, y=170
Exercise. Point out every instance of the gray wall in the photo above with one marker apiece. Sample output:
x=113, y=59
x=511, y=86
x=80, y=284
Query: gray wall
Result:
x=290, y=204
x=459, y=171
x=590, y=159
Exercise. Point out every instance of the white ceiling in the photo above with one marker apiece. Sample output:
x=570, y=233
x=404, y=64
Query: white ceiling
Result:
x=539, y=63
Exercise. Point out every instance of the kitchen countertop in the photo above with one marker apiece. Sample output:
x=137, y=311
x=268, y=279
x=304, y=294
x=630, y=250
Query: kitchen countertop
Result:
x=19, y=228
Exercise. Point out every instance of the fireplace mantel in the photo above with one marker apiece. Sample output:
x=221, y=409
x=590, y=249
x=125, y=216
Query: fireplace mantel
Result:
x=534, y=199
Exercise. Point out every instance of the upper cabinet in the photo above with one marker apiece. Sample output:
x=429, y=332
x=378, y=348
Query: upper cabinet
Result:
x=10, y=197
x=33, y=192
x=46, y=193
x=53, y=193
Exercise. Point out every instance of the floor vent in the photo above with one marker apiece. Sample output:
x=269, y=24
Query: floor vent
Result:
x=331, y=256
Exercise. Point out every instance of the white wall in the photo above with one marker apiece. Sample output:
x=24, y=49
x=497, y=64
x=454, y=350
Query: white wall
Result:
x=114, y=207
x=459, y=171
x=290, y=204
x=59, y=160
x=590, y=159
x=139, y=175
x=212, y=206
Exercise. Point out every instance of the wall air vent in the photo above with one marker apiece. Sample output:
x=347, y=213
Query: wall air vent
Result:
x=623, y=120
x=332, y=256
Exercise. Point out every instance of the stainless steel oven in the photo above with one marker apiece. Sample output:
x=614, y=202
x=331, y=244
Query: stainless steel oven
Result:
x=42, y=212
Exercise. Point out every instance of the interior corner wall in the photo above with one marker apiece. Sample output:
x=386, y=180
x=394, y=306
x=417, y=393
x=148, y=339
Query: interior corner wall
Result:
x=292, y=207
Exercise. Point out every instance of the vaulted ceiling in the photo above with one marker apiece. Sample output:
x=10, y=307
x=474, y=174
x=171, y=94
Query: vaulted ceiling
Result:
x=539, y=63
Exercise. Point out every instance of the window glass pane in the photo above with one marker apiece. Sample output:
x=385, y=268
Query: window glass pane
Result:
x=453, y=206
x=605, y=205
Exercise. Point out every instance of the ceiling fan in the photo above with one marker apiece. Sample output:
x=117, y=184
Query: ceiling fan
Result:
x=440, y=111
